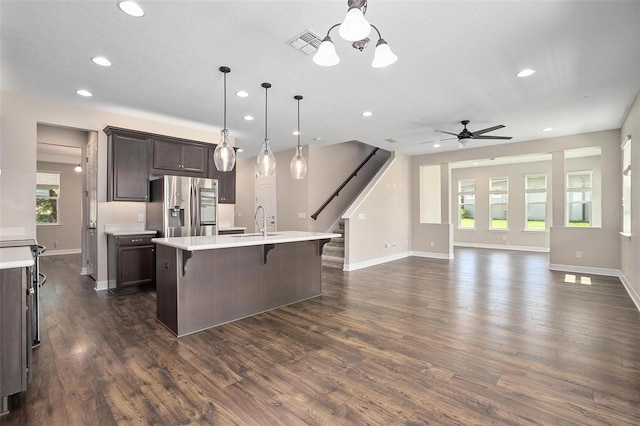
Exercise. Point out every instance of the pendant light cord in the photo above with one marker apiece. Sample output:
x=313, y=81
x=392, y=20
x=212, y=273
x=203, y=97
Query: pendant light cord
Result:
x=225, y=101
x=298, y=122
x=266, y=95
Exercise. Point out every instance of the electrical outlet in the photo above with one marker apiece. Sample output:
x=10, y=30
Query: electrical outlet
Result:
x=361, y=216
x=504, y=238
x=386, y=245
x=433, y=243
x=141, y=217
x=578, y=254
x=302, y=215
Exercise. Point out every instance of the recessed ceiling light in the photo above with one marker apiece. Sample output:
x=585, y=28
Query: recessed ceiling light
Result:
x=526, y=72
x=131, y=8
x=367, y=114
x=296, y=133
x=83, y=92
x=317, y=139
x=248, y=117
x=547, y=129
x=102, y=61
x=436, y=145
x=241, y=94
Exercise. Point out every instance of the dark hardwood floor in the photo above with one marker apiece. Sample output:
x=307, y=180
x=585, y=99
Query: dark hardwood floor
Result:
x=492, y=337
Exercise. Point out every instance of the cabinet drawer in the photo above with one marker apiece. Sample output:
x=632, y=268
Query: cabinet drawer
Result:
x=134, y=240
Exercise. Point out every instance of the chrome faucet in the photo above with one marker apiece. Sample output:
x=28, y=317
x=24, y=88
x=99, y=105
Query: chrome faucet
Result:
x=264, y=220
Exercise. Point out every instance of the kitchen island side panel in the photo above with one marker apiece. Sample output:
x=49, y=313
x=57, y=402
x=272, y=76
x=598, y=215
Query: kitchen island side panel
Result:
x=223, y=285
x=167, y=286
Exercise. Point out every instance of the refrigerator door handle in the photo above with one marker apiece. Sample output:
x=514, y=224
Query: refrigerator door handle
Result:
x=193, y=206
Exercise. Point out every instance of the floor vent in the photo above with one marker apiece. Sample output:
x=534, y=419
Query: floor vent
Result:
x=306, y=42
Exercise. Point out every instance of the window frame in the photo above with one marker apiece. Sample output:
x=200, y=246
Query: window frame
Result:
x=49, y=197
x=498, y=192
x=460, y=204
x=528, y=191
x=571, y=190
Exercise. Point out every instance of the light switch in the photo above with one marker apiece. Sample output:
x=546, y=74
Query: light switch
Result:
x=302, y=216
x=361, y=216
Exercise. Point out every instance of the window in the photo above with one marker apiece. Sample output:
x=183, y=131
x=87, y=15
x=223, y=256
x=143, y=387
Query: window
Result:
x=47, y=197
x=499, y=202
x=467, y=204
x=535, y=199
x=579, y=199
x=626, y=186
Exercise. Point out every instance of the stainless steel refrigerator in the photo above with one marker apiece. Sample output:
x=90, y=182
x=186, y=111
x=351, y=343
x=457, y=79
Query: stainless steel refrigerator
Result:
x=183, y=206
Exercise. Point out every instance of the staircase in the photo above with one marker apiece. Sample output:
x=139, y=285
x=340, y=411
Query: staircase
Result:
x=333, y=252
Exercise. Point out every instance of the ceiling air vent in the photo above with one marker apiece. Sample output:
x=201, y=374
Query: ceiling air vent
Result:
x=306, y=42
x=390, y=140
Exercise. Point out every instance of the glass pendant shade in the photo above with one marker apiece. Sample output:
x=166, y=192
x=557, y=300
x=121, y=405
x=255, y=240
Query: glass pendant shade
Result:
x=266, y=162
x=224, y=155
x=326, y=55
x=383, y=55
x=354, y=27
x=298, y=166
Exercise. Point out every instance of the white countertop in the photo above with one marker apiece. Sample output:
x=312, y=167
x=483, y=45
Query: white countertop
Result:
x=128, y=232
x=240, y=240
x=15, y=257
x=232, y=228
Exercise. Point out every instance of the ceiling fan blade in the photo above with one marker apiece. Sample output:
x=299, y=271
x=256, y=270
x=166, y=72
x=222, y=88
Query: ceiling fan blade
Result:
x=448, y=133
x=492, y=137
x=488, y=129
x=437, y=140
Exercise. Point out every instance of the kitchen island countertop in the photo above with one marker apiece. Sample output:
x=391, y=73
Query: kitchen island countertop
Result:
x=240, y=240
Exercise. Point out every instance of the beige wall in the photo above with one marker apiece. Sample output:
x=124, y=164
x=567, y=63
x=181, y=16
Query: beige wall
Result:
x=604, y=255
x=630, y=246
x=19, y=117
x=378, y=226
x=65, y=237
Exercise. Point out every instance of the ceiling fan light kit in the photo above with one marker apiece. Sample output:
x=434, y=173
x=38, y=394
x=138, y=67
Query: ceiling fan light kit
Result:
x=355, y=28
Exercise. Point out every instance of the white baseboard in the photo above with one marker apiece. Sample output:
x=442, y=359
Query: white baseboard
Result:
x=635, y=297
x=376, y=261
x=101, y=285
x=60, y=252
x=585, y=270
x=430, y=255
x=503, y=247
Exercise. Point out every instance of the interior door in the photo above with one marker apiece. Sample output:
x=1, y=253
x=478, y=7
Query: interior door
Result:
x=91, y=205
x=266, y=197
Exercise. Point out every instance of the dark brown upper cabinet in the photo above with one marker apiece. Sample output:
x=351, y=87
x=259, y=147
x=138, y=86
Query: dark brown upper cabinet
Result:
x=226, y=181
x=180, y=158
x=127, y=165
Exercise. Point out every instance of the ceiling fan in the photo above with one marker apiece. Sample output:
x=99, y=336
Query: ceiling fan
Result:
x=465, y=135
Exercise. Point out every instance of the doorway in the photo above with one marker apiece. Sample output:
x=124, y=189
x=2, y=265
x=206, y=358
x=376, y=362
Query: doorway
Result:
x=266, y=197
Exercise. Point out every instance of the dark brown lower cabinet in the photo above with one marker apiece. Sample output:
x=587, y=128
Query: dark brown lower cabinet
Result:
x=131, y=263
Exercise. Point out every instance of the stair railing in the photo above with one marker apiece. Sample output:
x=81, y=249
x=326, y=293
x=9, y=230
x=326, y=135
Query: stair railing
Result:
x=346, y=181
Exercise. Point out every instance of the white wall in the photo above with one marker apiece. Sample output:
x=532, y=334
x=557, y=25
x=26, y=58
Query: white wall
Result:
x=378, y=225
x=630, y=246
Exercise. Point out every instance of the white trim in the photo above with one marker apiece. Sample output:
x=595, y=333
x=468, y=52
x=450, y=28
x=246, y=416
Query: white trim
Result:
x=503, y=247
x=101, y=285
x=585, y=270
x=635, y=297
x=431, y=255
x=60, y=252
x=626, y=234
x=362, y=196
x=373, y=262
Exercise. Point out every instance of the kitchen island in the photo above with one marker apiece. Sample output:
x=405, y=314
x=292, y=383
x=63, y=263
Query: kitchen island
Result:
x=203, y=282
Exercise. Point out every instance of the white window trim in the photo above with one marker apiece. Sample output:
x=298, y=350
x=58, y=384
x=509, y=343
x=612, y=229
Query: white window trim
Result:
x=567, y=190
x=458, y=207
x=498, y=192
x=526, y=204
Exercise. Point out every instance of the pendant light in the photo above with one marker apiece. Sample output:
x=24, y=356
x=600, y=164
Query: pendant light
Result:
x=298, y=166
x=266, y=162
x=224, y=156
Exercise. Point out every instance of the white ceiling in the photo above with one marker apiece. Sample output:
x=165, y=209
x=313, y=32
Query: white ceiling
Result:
x=457, y=60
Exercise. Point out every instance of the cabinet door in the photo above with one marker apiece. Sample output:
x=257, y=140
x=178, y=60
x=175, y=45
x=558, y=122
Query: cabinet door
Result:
x=194, y=159
x=128, y=160
x=226, y=181
x=167, y=155
x=136, y=265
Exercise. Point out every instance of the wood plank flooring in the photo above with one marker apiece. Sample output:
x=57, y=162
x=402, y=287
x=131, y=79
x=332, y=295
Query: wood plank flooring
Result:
x=490, y=338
